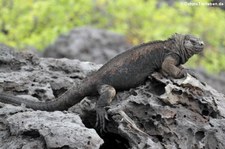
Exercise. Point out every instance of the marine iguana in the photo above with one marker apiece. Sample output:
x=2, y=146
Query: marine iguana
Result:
x=126, y=70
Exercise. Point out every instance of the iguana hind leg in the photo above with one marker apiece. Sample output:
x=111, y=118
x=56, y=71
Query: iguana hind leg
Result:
x=107, y=93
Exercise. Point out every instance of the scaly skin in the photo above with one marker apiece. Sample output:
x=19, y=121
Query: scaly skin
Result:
x=126, y=70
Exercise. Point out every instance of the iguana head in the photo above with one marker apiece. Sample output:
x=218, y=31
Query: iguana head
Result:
x=187, y=45
x=193, y=44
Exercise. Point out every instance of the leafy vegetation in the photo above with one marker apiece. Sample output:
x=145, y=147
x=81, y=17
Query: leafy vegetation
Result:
x=37, y=23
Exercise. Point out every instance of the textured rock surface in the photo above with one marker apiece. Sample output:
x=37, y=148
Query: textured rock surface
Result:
x=49, y=129
x=162, y=113
x=216, y=81
x=27, y=76
x=87, y=44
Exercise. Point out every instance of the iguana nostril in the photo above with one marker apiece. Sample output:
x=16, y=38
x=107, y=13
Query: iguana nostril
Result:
x=202, y=43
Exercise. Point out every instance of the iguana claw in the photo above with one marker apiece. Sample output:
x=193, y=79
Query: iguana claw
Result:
x=101, y=117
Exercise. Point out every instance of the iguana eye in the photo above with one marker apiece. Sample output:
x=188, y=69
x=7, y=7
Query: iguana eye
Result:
x=193, y=41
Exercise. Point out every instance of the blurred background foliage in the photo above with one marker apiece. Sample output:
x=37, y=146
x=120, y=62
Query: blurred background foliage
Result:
x=37, y=23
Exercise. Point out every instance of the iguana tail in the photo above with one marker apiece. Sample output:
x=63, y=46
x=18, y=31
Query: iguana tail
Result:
x=65, y=101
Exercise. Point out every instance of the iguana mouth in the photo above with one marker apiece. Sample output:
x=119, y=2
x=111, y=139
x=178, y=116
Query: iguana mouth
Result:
x=199, y=48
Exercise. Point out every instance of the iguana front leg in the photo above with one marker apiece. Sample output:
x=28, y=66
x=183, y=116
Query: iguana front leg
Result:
x=107, y=93
x=169, y=66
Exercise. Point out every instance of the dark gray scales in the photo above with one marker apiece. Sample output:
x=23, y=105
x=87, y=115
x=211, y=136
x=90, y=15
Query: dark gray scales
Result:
x=126, y=70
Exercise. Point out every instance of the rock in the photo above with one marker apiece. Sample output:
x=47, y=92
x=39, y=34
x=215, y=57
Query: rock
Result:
x=171, y=113
x=217, y=81
x=6, y=54
x=57, y=129
x=162, y=113
x=40, y=129
x=28, y=76
x=87, y=44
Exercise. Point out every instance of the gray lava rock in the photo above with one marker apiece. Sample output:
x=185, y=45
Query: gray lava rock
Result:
x=40, y=129
x=6, y=54
x=58, y=129
x=28, y=76
x=182, y=113
x=87, y=44
x=217, y=81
